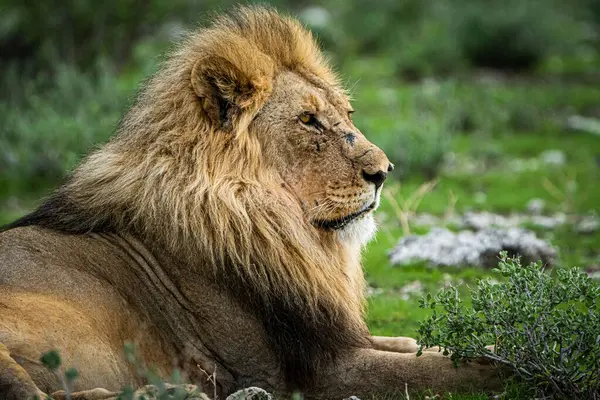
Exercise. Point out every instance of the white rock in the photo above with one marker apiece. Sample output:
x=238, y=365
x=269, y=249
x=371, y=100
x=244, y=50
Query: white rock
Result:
x=536, y=206
x=585, y=124
x=555, y=158
x=484, y=219
x=548, y=222
x=425, y=220
x=412, y=289
x=588, y=224
x=251, y=393
x=374, y=291
x=441, y=247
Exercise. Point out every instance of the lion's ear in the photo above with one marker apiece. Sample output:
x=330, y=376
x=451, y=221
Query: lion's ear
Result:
x=227, y=89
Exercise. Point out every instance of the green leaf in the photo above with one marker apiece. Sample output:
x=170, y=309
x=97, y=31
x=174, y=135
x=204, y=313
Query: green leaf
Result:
x=51, y=360
x=71, y=374
x=127, y=393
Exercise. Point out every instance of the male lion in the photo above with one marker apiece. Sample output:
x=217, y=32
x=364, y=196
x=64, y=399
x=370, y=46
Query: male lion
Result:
x=220, y=230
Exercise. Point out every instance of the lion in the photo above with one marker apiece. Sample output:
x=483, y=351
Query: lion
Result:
x=220, y=231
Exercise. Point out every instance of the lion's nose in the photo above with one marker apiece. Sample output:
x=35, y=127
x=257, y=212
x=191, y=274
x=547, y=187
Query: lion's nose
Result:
x=377, y=178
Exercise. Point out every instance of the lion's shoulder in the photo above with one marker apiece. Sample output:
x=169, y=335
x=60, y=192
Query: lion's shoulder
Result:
x=41, y=259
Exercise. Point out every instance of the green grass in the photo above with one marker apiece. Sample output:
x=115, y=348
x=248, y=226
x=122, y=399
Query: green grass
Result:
x=498, y=144
x=506, y=191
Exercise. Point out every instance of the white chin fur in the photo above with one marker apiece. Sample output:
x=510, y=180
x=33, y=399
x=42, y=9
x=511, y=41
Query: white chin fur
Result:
x=358, y=232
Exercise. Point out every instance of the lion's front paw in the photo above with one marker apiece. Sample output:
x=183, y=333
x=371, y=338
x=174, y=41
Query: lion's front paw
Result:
x=149, y=392
x=398, y=344
x=480, y=373
x=94, y=394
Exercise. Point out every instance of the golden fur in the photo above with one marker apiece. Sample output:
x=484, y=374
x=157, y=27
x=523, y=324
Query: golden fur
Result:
x=200, y=192
x=213, y=181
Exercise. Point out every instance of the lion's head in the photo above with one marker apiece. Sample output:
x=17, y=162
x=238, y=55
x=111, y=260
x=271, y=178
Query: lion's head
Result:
x=270, y=82
x=307, y=134
x=240, y=158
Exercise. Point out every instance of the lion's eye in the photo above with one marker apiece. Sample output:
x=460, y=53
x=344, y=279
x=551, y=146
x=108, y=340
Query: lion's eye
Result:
x=307, y=118
x=350, y=114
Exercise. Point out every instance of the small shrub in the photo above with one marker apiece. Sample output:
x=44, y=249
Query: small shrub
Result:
x=47, y=125
x=511, y=35
x=80, y=32
x=546, y=330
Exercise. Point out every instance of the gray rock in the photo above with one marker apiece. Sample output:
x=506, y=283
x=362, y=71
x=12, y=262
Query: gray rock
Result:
x=584, y=124
x=555, y=158
x=425, y=220
x=441, y=247
x=548, y=222
x=536, y=206
x=374, y=291
x=588, y=224
x=484, y=219
x=251, y=393
x=455, y=221
x=412, y=289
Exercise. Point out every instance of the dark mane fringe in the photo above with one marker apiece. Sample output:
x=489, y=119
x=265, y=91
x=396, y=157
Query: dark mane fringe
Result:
x=303, y=344
x=59, y=213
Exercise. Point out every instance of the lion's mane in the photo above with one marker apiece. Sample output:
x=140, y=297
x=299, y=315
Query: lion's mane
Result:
x=179, y=180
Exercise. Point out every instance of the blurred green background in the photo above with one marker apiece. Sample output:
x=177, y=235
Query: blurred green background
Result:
x=483, y=105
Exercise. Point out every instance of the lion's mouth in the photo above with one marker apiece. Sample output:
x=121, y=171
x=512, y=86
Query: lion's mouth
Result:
x=339, y=223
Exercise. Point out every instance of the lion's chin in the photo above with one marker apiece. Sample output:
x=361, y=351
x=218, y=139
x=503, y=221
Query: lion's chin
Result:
x=342, y=222
x=359, y=231
x=355, y=229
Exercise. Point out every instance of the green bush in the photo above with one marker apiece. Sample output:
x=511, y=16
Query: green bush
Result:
x=48, y=125
x=423, y=37
x=79, y=32
x=410, y=33
x=546, y=330
x=34, y=35
x=440, y=37
x=505, y=35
